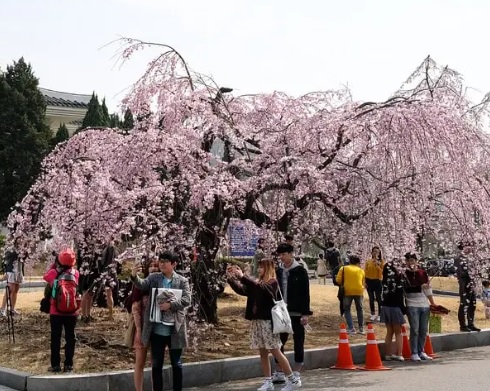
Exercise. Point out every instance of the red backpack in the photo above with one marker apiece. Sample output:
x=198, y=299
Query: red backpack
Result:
x=65, y=292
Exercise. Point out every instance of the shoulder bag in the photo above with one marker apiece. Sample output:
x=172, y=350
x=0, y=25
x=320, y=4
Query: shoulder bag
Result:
x=281, y=321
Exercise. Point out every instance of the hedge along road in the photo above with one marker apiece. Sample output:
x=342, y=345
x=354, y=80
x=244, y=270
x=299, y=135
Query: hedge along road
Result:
x=461, y=370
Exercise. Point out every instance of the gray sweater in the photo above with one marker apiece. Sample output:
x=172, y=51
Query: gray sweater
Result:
x=155, y=280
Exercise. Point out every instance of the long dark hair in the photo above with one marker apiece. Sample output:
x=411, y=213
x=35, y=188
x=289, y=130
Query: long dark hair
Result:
x=380, y=256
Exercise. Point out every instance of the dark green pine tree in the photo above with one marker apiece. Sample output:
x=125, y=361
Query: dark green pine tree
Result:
x=24, y=135
x=61, y=134
x=128, y=122
x=94, y=115
x=105, y=114
x=114, y=121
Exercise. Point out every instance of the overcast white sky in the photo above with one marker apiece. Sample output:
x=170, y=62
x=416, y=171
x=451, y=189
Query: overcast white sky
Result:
x=251, y=45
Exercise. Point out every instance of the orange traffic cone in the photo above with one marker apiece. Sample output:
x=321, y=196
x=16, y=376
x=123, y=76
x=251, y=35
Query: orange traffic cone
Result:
x=406, y=353
x=428, y=347
x=373, y=358
x=344, y=355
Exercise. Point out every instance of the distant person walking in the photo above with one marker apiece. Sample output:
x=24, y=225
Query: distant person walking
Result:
x=321, y=269
x=373, y=268
x=259, y=254
x=334, y=262
x=261, y=294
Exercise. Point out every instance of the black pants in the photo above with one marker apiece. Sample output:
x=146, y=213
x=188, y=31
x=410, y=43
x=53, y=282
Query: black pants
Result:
x=58, y=322
x=298, y=339
x=374, y=287
x=158, y=344
x=467, y=305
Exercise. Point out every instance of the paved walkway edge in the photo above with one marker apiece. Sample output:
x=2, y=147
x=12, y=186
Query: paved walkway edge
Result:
x=216, y=371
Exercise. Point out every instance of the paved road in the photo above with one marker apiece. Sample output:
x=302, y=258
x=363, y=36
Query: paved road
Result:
x=462, y=370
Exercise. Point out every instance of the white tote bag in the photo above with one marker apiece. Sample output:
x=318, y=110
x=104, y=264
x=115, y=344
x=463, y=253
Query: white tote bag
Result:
x=281, y=321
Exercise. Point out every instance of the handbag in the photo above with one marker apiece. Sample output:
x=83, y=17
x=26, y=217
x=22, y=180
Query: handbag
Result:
x=281, y=321
x=130, y=332
x=341, y=293
x=45, y=303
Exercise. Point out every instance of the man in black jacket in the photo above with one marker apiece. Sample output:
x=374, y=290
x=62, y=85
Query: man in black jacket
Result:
x=294, y=285
x=467, y=294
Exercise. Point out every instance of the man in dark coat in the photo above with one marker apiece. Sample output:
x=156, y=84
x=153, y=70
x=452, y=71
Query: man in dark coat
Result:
x=467, y=294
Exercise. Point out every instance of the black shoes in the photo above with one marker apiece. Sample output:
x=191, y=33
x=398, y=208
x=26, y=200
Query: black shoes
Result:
x=469, y=328
x=57, y=369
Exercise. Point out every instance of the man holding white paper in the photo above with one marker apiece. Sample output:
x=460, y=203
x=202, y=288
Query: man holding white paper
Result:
x=164, y=319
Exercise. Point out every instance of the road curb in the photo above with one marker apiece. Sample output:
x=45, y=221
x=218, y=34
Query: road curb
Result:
x=216, y=371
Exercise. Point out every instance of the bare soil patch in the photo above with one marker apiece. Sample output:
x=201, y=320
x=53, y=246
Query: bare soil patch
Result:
x=100, y=344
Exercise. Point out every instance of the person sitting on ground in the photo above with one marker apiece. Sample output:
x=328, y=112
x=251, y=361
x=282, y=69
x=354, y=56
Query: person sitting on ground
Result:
x=418, y=295
x=14, y=270
x=351, y=277
x=261, y=294
x=63, y=274
x=393, y=311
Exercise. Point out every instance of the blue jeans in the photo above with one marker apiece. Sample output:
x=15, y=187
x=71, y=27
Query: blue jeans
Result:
x=418, y=318
x=348, y=317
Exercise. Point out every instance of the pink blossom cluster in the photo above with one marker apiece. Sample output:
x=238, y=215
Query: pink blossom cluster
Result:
x=394, y=173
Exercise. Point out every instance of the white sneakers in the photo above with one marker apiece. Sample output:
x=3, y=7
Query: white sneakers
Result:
x=374, y=318
x=415, y=357
x=421, y=357
x=292, y=385
x=266, y=386
x=424, y=356
x=278, y=377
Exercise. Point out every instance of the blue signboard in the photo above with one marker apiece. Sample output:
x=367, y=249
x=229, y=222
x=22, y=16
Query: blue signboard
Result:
x=243, y=238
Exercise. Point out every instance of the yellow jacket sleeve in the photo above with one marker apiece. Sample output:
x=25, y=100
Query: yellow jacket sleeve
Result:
x=373, y=269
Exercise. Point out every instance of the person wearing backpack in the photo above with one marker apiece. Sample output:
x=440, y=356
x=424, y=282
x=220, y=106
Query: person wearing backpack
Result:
x=63, y=278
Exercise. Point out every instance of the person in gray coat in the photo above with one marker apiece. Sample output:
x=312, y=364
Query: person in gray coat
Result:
x=173, y=333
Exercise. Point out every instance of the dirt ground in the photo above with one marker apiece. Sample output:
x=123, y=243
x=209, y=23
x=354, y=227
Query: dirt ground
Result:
x=100, y=344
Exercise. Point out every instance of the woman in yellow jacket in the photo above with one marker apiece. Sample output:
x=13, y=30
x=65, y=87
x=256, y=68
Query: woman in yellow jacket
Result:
x=351, y=278
x=373, y=268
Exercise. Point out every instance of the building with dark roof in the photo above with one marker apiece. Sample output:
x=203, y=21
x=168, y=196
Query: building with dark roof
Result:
x=65, y=107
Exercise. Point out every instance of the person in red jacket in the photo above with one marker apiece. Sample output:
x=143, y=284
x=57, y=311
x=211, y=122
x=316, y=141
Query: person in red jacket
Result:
x=63, y=268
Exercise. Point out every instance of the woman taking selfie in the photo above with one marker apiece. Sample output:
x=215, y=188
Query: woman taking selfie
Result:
x=261, y=294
